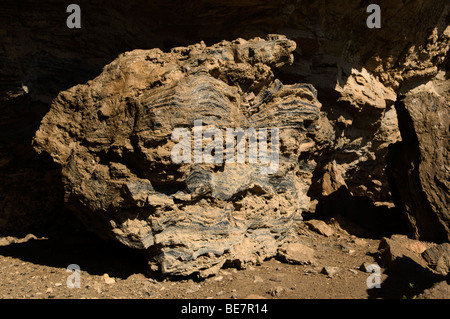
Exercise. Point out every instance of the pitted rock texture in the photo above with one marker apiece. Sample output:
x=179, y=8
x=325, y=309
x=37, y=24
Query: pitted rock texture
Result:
x=419, y=166
x=113, y=140
x=335, y=52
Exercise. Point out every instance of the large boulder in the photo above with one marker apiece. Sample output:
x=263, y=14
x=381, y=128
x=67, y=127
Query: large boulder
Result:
x=357, y=82
x=357, y=72
x=419, y=166
x=127, y=142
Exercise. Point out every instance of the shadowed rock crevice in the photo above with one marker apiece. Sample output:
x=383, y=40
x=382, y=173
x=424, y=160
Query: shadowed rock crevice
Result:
x=410, y=268
x=417, y=166
x=358, y=215
x=78, y=247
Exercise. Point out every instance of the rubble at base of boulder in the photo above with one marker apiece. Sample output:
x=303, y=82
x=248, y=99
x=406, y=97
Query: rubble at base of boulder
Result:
x=402, y=254
x=297, y=253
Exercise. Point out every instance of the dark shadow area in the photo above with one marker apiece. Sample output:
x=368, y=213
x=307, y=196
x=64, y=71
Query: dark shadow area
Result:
x=404, y=170
x=92, y=254
x=31, y=189
x=406, y=279
x=358, y=215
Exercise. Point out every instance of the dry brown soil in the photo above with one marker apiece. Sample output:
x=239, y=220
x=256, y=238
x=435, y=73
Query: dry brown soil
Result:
x=37, y=268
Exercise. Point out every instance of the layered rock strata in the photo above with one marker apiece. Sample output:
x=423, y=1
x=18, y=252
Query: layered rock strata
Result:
x=115, y=137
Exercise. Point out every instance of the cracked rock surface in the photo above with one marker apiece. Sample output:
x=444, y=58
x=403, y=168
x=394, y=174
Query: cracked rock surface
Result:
x=113, y=139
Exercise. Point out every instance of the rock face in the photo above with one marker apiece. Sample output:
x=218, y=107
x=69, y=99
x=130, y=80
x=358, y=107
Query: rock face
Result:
x=357, y=74
x=395, y=249
x=438, y=258
x=416, y=264
x=114, y=139
x=419, y=166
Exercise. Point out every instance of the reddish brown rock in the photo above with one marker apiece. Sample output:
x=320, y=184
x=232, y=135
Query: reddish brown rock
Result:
x=297, y=253
x=332, y=179
x=438, y=257
x=419, y=166
x=320, y=227
x=398, y=248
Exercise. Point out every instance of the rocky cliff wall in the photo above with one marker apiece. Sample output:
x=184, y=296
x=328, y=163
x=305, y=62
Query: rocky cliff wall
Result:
x=358, y=74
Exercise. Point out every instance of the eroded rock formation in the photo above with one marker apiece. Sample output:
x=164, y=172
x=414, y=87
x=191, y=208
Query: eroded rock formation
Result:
x=357, y=74
x=113, y=139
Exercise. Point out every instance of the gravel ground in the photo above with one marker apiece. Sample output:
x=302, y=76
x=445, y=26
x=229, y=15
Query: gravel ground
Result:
x=37, y=268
